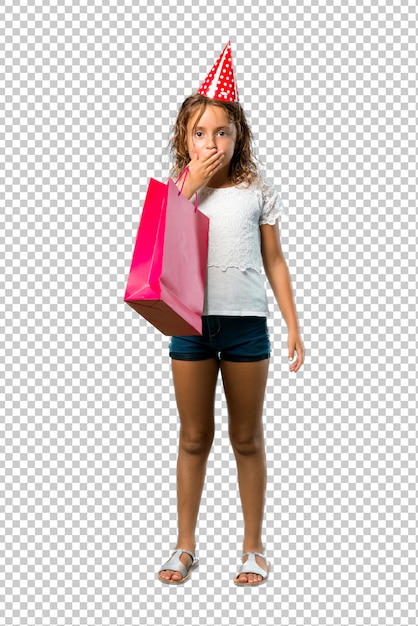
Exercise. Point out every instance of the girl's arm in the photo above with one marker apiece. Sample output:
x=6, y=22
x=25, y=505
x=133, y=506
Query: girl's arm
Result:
x=278, y=276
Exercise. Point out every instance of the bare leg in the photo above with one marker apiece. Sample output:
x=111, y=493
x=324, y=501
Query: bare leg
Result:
x=245, y=385
x=195, y=385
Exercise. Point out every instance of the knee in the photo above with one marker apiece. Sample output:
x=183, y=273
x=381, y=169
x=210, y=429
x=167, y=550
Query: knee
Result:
x=196, y=443
x=246, y=444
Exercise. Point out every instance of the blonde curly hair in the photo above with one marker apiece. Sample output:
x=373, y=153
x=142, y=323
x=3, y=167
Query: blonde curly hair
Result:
x=243, y=164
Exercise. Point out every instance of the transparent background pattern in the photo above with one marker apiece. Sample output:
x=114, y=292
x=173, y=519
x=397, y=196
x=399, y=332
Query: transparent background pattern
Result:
x=89, y=426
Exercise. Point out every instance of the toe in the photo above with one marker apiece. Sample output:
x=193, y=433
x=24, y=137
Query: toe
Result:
x=250, y=578
x=256, y=578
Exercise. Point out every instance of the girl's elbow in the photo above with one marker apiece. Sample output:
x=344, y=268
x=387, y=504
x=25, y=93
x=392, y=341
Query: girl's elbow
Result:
x=272, y=262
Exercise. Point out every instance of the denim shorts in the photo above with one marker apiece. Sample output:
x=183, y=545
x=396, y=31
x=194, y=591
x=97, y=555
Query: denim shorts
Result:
x=227, y=337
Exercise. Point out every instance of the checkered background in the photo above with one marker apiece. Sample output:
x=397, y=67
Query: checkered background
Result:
x=89, y=91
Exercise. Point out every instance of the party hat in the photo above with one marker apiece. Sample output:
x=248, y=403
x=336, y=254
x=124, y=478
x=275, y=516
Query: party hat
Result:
x=220, y=82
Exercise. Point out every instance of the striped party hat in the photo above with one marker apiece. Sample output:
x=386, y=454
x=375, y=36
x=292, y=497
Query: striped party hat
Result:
x=220, y=82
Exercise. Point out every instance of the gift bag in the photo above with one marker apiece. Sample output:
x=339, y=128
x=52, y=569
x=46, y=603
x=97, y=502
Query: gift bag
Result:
x=166, y=282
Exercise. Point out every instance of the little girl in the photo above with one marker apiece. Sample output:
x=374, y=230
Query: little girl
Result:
x=212, y=137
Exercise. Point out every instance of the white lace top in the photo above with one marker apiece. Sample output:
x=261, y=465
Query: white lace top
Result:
x=235, y=285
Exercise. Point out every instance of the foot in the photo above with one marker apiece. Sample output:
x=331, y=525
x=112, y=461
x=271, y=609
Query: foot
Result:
x=253, y=578
x=186, y=559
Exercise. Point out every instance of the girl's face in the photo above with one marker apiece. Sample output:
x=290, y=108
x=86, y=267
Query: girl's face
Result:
x=213, y=130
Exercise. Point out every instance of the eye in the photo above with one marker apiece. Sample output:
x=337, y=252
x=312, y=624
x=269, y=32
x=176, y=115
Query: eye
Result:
x=223, y=133
x=198, y=133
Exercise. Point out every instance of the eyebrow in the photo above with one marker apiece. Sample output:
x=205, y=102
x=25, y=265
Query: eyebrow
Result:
x=216, y=129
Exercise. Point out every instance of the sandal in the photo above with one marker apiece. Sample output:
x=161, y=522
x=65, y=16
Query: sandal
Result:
x=175, y=564
x=251, y=567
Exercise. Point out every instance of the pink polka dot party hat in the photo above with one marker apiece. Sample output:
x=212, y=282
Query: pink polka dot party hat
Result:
x=220, y=82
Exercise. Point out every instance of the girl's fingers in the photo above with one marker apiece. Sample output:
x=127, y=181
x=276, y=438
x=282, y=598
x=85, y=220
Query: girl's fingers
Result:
x=300, y=358
x=213, y=157
x=297, y=364
x=203, y=167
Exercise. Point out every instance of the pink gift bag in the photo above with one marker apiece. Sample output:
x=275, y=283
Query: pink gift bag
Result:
x=166, y=282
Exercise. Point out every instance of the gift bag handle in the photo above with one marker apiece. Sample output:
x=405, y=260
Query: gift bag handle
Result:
x=184, y=173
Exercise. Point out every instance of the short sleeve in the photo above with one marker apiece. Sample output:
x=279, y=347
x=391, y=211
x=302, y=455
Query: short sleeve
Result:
x=271, y=204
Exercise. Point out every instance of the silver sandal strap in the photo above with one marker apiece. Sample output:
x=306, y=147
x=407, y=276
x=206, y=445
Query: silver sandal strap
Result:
x=175, y=564
x=251, y=566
